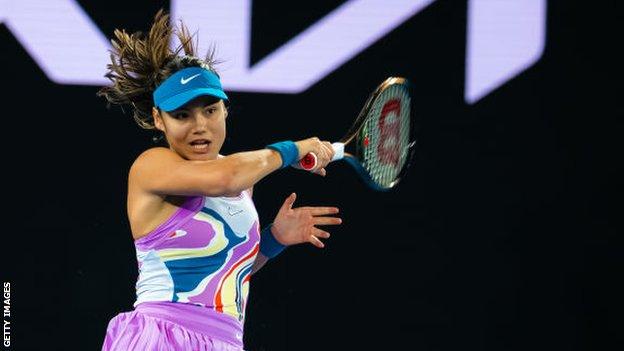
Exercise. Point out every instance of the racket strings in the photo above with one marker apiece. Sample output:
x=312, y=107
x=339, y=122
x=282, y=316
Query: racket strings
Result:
x=384, y=138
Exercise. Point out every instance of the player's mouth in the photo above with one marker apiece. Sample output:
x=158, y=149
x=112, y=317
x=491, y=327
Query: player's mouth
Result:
x=200, y=145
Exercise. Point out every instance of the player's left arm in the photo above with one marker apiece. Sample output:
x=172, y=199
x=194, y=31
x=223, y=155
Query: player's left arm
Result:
x=294, y=226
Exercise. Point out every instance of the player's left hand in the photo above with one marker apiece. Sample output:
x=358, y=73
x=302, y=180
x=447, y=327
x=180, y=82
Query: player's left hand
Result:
x=298, y=225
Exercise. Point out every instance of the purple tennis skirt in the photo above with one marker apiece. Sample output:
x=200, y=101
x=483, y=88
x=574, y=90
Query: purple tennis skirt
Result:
x=173, y=326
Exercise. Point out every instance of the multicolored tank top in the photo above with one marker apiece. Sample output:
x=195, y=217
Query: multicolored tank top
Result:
x=202, y=255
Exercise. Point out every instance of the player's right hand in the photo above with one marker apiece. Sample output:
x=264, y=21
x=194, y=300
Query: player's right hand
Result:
x=322, y=149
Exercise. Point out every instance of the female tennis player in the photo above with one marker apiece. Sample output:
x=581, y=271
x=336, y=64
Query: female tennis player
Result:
x=194, y=224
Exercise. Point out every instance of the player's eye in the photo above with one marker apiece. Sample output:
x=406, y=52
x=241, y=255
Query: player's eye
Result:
x=180, y=115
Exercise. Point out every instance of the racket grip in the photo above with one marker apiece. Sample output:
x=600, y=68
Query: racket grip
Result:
x=310, y=161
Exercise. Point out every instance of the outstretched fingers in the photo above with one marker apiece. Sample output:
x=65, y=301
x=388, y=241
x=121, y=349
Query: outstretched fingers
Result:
x=316, y=242
x=327, y=220
x=319, y=233
x=288, y=203
x=321, y=211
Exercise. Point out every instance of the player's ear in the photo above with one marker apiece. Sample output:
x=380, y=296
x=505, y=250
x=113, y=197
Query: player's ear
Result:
x=225, y=109
x=158, y=122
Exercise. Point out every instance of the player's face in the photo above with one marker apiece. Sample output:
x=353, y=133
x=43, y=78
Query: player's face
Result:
x=196, y=130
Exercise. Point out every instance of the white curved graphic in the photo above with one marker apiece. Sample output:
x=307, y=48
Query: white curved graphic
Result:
x=504, y=37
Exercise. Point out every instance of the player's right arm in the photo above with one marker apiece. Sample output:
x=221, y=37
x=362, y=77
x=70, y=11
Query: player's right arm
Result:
x=161, y=171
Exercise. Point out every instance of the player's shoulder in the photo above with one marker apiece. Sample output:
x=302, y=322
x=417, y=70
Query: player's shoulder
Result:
x=157, y=152
x=153, y=156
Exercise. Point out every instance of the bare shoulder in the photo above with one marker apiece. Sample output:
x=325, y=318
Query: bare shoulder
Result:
x=152, y=161
x=164, y=172
x=146, y=209
x=153, y=155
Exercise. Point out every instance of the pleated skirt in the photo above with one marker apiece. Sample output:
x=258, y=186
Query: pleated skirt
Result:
x=170, y=326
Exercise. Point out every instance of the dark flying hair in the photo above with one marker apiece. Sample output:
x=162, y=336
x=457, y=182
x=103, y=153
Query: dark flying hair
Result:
x=140, y=63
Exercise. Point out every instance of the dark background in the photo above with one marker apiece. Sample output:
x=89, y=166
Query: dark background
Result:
x=503, y=236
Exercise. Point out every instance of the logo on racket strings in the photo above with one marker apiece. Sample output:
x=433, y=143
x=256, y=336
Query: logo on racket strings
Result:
x=389, y=133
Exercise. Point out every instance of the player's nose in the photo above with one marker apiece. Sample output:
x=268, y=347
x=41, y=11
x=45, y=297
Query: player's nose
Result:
x=201, y=121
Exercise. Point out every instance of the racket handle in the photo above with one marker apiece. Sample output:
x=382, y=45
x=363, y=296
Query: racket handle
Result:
x=309, y=161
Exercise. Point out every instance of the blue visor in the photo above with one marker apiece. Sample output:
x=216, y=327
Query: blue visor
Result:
x=185, y=85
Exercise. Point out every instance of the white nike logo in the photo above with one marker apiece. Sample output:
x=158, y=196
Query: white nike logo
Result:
x=186, y=80
x=233, y=212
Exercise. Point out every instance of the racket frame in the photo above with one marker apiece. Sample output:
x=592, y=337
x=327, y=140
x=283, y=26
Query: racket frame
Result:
x=357, y=125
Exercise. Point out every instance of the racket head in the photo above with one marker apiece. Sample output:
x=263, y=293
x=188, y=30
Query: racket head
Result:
x=384, y=135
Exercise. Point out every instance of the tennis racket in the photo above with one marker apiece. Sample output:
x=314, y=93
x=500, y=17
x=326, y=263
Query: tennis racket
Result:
x=382, y=138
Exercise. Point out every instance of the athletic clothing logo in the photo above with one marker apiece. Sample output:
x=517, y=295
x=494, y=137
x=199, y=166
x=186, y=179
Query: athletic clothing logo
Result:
x=233, y=212
x=186, y=80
